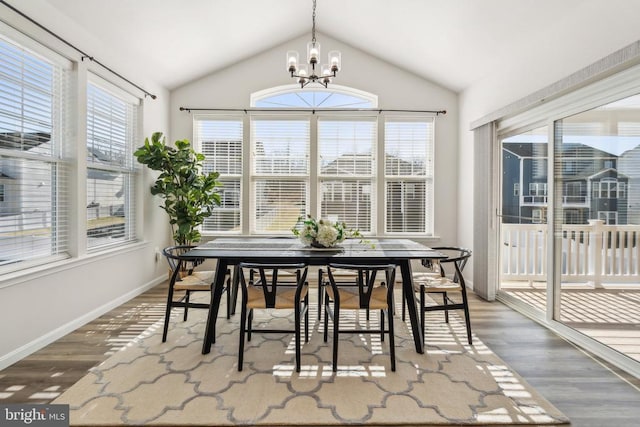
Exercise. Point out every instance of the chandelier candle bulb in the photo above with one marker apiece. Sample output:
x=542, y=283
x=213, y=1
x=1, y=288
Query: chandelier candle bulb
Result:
x=292, y=61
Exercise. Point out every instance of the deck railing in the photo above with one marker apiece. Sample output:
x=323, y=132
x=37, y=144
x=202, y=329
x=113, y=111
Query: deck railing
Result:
x=593, y=253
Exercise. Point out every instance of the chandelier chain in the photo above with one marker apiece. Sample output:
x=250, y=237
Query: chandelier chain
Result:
x=313, y=24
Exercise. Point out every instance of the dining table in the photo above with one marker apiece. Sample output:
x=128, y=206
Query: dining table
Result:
x=230, y=251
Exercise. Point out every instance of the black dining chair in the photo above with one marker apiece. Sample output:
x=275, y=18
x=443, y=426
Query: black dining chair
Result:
x=185, y=279
x=269, y=286
x=362, y=293
x=445, y=279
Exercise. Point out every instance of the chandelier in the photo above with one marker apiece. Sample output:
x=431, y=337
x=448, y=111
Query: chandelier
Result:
x=306, y=75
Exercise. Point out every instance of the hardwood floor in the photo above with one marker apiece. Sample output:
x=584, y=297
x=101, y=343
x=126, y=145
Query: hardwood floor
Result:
x=587, y=391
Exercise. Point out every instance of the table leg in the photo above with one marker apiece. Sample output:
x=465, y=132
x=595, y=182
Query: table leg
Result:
x=410, y=297
x=216, y=296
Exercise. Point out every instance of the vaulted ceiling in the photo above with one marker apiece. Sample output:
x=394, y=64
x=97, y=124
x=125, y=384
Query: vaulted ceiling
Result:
x=451, y=42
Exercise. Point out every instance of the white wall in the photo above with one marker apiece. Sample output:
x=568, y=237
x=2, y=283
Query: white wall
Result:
x=396, y=89
x=38, y=306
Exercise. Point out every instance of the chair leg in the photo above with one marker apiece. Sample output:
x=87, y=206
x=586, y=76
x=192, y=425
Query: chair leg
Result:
x=167, y=314
x=422, y=313
x=326, y=317
x=297, y=320
x=306, y=318
x=382, y=325
x=392, y=347
x=466, y=316
x=228, y=298
x=250, y=325
x=445, y=302
x=336, y=331
x=243, y=319
x=404, y=306
x=186, y=305
x=320, y=292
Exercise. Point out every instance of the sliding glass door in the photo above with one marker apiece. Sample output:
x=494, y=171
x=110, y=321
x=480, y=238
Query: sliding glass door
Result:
x=523, y=222
x=570, y=222
x=597, y=176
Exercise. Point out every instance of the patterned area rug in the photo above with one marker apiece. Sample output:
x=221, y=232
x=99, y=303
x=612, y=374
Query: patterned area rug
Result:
x=172, y=383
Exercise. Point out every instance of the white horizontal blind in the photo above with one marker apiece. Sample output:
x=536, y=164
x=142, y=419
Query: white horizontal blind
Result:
x=279, y=172
x=111, y=136
x=34, y=208
x=408, y=172
x=220, y=140
x=346, y=151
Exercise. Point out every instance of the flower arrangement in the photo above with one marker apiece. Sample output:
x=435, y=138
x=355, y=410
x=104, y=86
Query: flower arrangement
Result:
x=321, y=233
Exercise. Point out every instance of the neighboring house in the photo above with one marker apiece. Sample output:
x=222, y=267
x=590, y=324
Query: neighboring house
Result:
x=593, y=187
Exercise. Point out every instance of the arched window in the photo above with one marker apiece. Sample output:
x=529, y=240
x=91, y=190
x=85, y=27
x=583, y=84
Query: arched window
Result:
x=292, y=96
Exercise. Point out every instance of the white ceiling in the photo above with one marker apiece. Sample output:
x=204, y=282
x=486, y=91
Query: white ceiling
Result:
x=451, y=42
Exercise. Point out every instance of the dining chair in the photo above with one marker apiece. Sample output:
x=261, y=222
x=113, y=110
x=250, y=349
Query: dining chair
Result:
x=269, y=286
x=184, y=279
x=344, y=278
x=362, y=293
x=444, y=283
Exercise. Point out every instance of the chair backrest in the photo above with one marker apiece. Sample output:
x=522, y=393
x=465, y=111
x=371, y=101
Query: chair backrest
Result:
x=172, y=255
x=456, y=256
x=365, y=279
x=266, y=276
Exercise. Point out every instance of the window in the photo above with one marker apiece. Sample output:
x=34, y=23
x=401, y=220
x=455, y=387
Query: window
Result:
x=539, y=216
x=516, y=189
x=111, y=134
x=323, y=163
x=33, y=167
x=279, y=172
x=1, y=193
x=220, y=140
x=293, y=97
x=408, y=171
x=607, y=188
x=346, y=161
x=609, y=217
x=537, y=188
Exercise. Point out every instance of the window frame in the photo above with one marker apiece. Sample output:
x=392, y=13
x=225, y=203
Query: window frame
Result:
x=58, y=159
x=127, y=168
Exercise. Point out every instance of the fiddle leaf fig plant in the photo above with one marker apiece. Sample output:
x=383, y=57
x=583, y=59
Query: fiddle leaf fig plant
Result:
x=189, y=194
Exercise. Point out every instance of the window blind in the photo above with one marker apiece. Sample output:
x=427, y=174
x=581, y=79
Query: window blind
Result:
x=408, y=172
x=279, y=172
x=111, y=136
x=346, y=152
x=220, y=140
x=34, y=174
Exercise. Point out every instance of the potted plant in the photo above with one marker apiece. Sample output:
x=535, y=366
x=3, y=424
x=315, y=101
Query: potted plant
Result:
x=189, y=194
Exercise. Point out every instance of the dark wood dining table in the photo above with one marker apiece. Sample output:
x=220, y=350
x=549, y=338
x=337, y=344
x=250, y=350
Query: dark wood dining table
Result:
x=230, y=251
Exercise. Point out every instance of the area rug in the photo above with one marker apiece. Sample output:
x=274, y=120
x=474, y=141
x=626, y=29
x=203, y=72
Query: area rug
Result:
x=172, y=383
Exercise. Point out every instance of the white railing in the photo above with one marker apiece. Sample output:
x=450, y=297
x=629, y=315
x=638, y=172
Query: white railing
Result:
x=593, y=253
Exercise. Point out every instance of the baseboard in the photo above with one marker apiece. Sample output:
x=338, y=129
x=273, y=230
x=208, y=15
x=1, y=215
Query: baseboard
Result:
x=35, y=345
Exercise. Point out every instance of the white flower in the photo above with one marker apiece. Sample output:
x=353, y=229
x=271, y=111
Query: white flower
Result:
x=307, y=234
x=327, y=235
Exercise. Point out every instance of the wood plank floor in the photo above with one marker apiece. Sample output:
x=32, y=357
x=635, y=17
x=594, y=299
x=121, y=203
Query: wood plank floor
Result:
x=587, y=391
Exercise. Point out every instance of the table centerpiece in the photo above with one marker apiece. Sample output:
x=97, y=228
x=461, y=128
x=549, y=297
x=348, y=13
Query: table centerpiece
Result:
x=322, y=233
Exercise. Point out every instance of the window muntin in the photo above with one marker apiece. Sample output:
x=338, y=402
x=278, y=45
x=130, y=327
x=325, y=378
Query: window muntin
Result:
x=35, y=211
x=111, y=136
